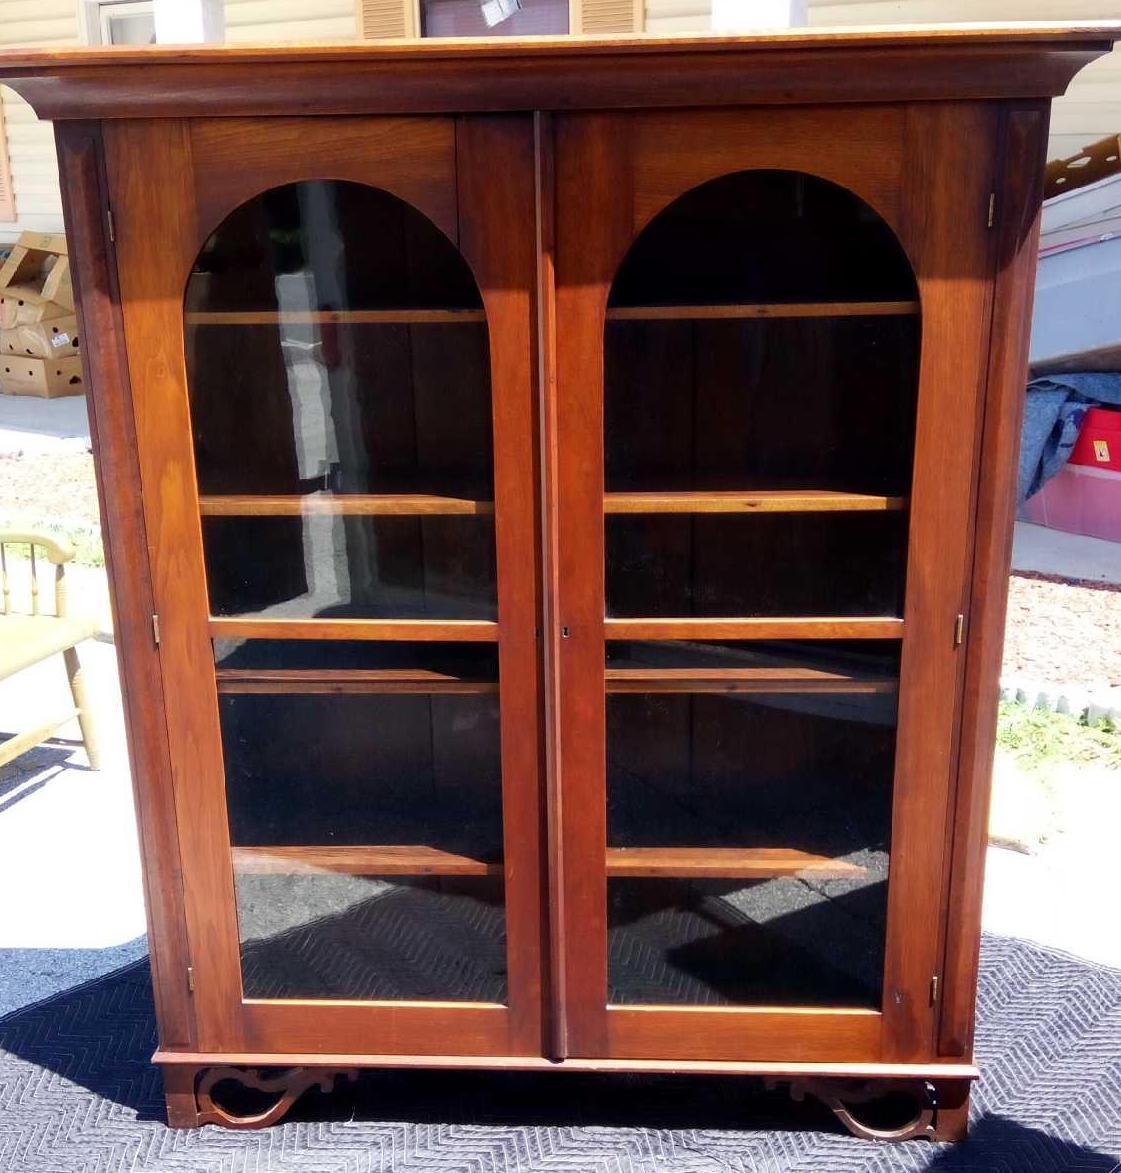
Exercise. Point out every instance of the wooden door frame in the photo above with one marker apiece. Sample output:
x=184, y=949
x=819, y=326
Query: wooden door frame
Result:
x=614, y=172
x=206, y=168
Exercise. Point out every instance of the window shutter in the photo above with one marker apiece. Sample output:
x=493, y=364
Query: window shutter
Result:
x=597, y=17
x=383, y=19
x=7, y=193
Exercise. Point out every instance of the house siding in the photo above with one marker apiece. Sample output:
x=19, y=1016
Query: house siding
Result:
x=31, y=150
x=290, y=20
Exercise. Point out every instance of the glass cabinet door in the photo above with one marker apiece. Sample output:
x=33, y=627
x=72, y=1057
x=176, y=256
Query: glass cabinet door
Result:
x=737, y=428
x=361, y=712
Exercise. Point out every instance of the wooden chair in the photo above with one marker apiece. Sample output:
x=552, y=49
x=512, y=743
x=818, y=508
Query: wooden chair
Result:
x=26, y=639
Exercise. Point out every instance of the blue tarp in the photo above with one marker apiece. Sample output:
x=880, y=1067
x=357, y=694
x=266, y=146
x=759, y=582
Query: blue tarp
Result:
x=1053, y=414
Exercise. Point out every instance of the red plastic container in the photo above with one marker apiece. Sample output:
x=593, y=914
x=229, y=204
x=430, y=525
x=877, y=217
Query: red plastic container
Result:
x=1099, y=442
x=1084, y=497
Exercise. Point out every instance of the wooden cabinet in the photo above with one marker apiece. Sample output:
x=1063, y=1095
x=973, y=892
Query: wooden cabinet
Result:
x=558, y=499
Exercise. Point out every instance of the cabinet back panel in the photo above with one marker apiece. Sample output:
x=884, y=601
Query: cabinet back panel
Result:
x=353, y=770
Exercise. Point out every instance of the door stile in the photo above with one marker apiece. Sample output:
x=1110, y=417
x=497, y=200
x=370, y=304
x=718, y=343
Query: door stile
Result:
x=109, y=402
x=1023, y=132
x=591, y=159
x=555, y=1003
x=505, y=267
x=948, y=244
x=152, y=282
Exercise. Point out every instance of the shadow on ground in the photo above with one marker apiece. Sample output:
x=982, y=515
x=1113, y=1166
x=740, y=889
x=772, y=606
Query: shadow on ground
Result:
x=99, y=1037
x=32, y=770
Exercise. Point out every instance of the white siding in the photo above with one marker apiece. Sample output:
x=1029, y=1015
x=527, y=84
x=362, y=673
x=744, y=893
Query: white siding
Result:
x=31, y=142
x=664, y=17
x=1089, y=110
x=291, y=20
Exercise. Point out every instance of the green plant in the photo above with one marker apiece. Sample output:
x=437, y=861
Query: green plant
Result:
x=1039, y=738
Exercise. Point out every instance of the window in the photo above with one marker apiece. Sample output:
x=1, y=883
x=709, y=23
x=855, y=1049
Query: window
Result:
x=379, y=19
x=493, y=18
x=124, y=22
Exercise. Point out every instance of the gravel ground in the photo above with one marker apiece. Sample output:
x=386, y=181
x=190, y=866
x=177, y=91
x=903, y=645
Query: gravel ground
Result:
x=1061, y=632
x=57, y=488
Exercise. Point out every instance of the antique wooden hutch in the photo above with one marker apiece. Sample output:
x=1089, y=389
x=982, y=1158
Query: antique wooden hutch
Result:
x=558, y=498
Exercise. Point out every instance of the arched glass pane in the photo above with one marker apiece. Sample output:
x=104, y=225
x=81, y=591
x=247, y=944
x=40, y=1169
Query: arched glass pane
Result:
x=337, y=346
x=339, y=380
x=761, y=362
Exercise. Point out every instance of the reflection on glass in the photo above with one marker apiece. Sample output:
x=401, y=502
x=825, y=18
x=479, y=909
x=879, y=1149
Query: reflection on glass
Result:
x=372, y=937
x=339, y=376
x=324, y=567
x=788, y=941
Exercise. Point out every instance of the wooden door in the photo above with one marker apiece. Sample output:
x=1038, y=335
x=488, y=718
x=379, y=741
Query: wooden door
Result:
x=771, y=329
x=329, y=332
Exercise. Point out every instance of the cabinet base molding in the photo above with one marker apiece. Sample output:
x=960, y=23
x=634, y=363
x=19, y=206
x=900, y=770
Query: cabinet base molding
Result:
x=940, y=1091
x=191, y=1101
x=938, y=1110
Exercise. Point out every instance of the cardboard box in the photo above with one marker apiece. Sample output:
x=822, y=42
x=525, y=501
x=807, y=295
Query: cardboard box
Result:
x=47, y=378
x=35, y=281
x=57, y=338
x=21, y=305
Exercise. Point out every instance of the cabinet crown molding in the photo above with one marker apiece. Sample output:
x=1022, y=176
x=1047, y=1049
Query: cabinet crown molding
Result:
x=870, y=64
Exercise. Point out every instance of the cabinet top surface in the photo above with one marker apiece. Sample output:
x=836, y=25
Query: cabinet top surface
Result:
x=916, y=38
x=871, y=63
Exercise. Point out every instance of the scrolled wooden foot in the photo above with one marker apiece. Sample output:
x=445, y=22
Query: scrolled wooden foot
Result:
x=287, y=1085
x=842, y=1096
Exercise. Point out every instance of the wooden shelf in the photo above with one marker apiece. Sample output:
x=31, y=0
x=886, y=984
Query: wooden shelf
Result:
x=342, y=504
x=807, y=309
x=360, y=861
x=745, y=680
x=753, y=501
x=398, y=317
x=410, y=630
x=756, y=627
x=347, y=680
x=741, y=863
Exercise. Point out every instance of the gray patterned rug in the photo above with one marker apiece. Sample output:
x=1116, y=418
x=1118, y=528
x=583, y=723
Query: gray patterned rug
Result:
x=77, y=1094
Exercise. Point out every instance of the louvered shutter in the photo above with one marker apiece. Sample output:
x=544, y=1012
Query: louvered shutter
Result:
x=383, y=19
x=596, y=17
x=7, y=194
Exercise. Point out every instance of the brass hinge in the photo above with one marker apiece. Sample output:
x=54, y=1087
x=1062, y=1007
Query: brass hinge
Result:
x=111, y=225
x=191, y=978
x=992, y=209
x=156, y=630
x=934, y=983
x=959, y=631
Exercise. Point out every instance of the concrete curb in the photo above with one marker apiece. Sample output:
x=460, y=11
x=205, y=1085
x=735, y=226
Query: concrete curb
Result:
x=1095, y=705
